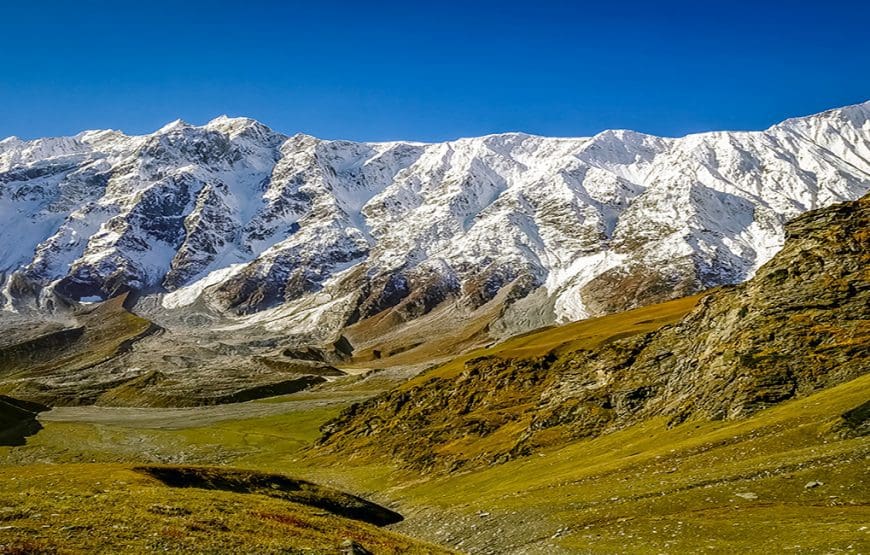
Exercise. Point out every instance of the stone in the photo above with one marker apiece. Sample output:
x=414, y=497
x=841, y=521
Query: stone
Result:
x=350, y=547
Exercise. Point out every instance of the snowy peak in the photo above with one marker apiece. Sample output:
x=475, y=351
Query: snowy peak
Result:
x=255, y=226
x=855, y=116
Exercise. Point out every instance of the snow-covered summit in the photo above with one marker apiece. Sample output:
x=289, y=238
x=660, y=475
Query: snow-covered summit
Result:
x=243, y=220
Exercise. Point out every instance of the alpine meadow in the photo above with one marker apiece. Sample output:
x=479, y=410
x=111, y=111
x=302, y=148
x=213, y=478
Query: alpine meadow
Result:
x=223, y=338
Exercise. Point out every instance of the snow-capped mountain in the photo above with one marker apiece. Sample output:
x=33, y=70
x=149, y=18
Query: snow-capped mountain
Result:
x=236, y=219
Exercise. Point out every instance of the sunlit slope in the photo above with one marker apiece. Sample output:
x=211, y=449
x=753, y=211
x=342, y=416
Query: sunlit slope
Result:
x=649, y=488
x=800, y=325
x=53, y=366
x=91, y=508
x=646, y=489
x=793, y=477
x=585, y=334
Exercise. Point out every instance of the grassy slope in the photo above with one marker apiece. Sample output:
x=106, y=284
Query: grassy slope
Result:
x=91, y=508
x=108, y=328
x=92, y=499
x=654, y=489
x=436, y=336
x=439, y=336
x=646, y=489
x=106, y=331
x=585, y=334
x=264, y=443
x=505, y=399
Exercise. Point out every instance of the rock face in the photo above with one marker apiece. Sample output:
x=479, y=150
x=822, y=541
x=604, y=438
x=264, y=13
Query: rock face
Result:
x=235, y=221
x=799, y=325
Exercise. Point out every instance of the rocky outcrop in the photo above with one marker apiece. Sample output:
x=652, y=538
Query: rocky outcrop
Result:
x=801, y=324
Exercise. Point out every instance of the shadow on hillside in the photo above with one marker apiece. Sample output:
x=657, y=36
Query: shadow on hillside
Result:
x=18, y=421
x=17, y=435
x=273, y=485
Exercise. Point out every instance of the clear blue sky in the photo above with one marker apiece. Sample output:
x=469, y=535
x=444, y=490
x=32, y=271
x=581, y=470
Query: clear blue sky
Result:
x=428, y=70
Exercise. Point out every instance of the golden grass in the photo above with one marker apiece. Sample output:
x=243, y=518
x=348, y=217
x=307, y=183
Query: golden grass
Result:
x=434, y=337
x=654, y=489
x=90, y=508
x=645, y=489
x=585, y=334
x=702, y=486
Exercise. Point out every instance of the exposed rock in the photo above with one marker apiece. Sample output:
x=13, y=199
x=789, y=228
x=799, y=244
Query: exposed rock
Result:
x=798, y=326
x=854, y=423
x=350, y=547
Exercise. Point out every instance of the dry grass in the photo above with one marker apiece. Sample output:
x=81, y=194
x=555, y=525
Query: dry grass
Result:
x=585, y=334
x=717, y=487
x=647, y=489
x=90, y=508
x=436, y=336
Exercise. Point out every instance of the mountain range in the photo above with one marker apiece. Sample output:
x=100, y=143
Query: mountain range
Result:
x=250, y=227
x=511, y=343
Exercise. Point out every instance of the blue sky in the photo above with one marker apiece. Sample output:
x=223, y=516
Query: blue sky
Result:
x=428, y=70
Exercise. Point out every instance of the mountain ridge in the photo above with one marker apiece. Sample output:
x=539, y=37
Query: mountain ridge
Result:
x=249, y=227
x=799, y=326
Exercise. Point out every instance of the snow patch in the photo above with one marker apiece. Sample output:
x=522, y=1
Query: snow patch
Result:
x=188, y=294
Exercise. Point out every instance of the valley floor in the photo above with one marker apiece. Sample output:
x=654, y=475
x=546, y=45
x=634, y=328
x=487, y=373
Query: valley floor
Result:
x=789, y=479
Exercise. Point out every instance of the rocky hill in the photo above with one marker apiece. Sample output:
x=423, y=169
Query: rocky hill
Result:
x=231, y=226
x=800, y=325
